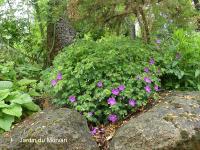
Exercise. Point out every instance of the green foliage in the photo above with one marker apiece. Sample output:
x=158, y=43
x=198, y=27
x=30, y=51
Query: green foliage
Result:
x=13, y=104
x=23, y=76
x=5, y=85
x=7, y=71
x=111, y=60
x=1, y=1
x=118, y=17
x=173, y=14
x=20, y=32
x=180, y=61
x=15, y=91
x=99, y=17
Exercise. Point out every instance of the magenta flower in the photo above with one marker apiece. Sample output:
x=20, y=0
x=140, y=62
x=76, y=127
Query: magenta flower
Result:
x=152, y=61
x=146, y=69
x=121, y=87
x=100, y=84
x=112, y=118
x=147, y=80
x=111, y=101
x=94, y=130
x=148, y=89
x=156, y=87
x=59, y=76
x=53, y=82
x=115, y=91
x=132, y=102
x=72, y=99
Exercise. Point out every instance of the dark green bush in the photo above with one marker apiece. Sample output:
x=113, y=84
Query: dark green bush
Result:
x=86, y=74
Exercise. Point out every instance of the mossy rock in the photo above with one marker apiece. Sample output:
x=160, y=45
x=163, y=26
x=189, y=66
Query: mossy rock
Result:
x=60, y=129
x=173, y=124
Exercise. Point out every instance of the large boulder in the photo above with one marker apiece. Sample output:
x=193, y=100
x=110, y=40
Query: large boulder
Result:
x=60, y=129
x=172, y=124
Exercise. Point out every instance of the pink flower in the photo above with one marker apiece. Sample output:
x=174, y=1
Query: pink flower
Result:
x=152, y=61
x=100, y=84
x=115, y=91
x=111, y=101
x=132, y=102
x=59, y=76
x=94, y=130
x=72, y=98
x=53, y=82
x=112, y=118
x=121, y=87
x=147, y=80
x=146, y=69
x=148, y=89
x=156, y=87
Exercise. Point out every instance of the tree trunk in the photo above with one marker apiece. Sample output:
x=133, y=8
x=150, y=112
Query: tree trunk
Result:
x=59, y=33
x=145, y=25
x=133, y=31
x=142, y=20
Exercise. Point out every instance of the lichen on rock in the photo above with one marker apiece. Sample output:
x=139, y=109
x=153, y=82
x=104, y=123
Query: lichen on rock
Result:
x=58, y=129
x=172, y=124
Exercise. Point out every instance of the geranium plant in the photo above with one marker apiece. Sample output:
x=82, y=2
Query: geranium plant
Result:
x=105, y=80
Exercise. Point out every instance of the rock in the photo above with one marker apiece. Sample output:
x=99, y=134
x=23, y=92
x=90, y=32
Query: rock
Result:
x=60, y=129
x=172, y=124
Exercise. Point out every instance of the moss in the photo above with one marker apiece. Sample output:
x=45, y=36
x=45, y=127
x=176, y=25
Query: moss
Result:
x=170, y=117
x=188, y=143
x=184, y=135
x=198, y=101
x=49, y=131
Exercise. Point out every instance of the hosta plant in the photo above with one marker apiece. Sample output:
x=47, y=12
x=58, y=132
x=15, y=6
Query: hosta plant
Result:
x=13, y=105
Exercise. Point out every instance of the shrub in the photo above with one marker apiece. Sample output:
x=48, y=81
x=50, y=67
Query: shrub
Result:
x=179, y=59
x=104, y=80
